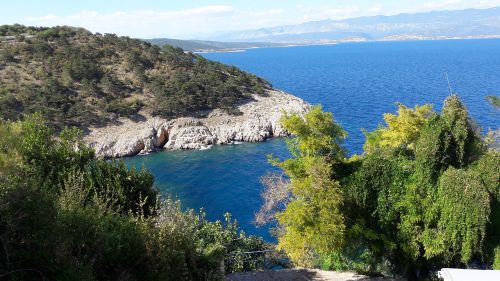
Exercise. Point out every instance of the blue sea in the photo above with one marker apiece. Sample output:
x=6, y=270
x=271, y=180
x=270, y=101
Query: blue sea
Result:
x=358, y=82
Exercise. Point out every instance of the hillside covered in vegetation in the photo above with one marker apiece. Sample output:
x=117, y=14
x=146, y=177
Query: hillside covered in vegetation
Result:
x=74, y=77
x=65, y=215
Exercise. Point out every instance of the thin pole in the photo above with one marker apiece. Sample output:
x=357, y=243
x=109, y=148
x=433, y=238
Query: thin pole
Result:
x=449, y=85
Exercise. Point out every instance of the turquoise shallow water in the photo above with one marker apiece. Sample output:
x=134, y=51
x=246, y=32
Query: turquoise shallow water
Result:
x=358, y=82
x=221, y=179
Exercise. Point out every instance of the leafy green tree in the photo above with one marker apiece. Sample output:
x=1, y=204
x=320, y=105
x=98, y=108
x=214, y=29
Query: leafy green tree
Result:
x=424, y=194
x=312, y=222
x=46, y=159
x=402, y=129
x=464, y=205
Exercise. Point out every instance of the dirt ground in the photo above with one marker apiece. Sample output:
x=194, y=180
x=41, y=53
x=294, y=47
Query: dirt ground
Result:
x=302, y=275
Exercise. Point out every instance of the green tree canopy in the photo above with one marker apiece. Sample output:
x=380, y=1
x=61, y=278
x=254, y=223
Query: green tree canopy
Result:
x=312, y=222
x=423, y=195
x=402, y=130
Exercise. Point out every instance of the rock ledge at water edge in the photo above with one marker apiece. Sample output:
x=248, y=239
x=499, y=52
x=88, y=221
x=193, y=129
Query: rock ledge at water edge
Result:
x=259, y=121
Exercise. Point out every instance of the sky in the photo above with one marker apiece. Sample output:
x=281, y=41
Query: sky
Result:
x=190, y=19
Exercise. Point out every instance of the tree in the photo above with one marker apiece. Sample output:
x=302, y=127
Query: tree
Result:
x=65, y=215
x=423, y=195
x=312, y=222
x=402, y=129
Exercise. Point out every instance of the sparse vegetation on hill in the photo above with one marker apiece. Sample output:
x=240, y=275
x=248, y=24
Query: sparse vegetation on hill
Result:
x=74, y=77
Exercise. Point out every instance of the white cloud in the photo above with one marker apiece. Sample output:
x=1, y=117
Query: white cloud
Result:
x=44, y=18
x=455, y=5
x=191, y=23
x=274, y=12
x=376, y=9
x=442, y=4
x=311, y=13
x=146, y=23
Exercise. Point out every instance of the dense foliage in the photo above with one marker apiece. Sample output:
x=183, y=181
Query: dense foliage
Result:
x=74, y=77
x=312, y=220
x=65, y=215
x=424, y=194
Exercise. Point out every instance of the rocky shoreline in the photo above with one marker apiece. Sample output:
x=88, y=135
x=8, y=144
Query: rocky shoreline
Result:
x=258, y=121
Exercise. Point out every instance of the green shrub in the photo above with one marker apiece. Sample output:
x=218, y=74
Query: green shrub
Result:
x=124, y=108
x=67, y=216
x=424, y=194
x=496, y=263
x=6, y=56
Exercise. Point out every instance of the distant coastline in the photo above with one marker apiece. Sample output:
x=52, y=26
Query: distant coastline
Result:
x=288, y=45
x=435, y=25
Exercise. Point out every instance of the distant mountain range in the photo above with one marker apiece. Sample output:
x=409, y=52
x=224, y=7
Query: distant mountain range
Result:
x=470, y=23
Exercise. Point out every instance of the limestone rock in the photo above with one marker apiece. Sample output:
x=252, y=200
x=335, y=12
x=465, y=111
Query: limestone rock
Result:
x=259, y=121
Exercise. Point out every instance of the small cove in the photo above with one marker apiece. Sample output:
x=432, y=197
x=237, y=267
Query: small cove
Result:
x=358, y=82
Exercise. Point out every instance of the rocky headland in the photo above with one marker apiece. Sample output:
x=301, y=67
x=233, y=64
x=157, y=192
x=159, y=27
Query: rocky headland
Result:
x=258, y=121
x=131, y=97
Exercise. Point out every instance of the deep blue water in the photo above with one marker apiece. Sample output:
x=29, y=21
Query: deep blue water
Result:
x=358, y=82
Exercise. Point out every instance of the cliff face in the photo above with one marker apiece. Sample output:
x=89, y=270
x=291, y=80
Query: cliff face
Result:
x=259, y=121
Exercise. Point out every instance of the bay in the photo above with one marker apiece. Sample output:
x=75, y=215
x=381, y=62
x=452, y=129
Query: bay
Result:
x=358, y=82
